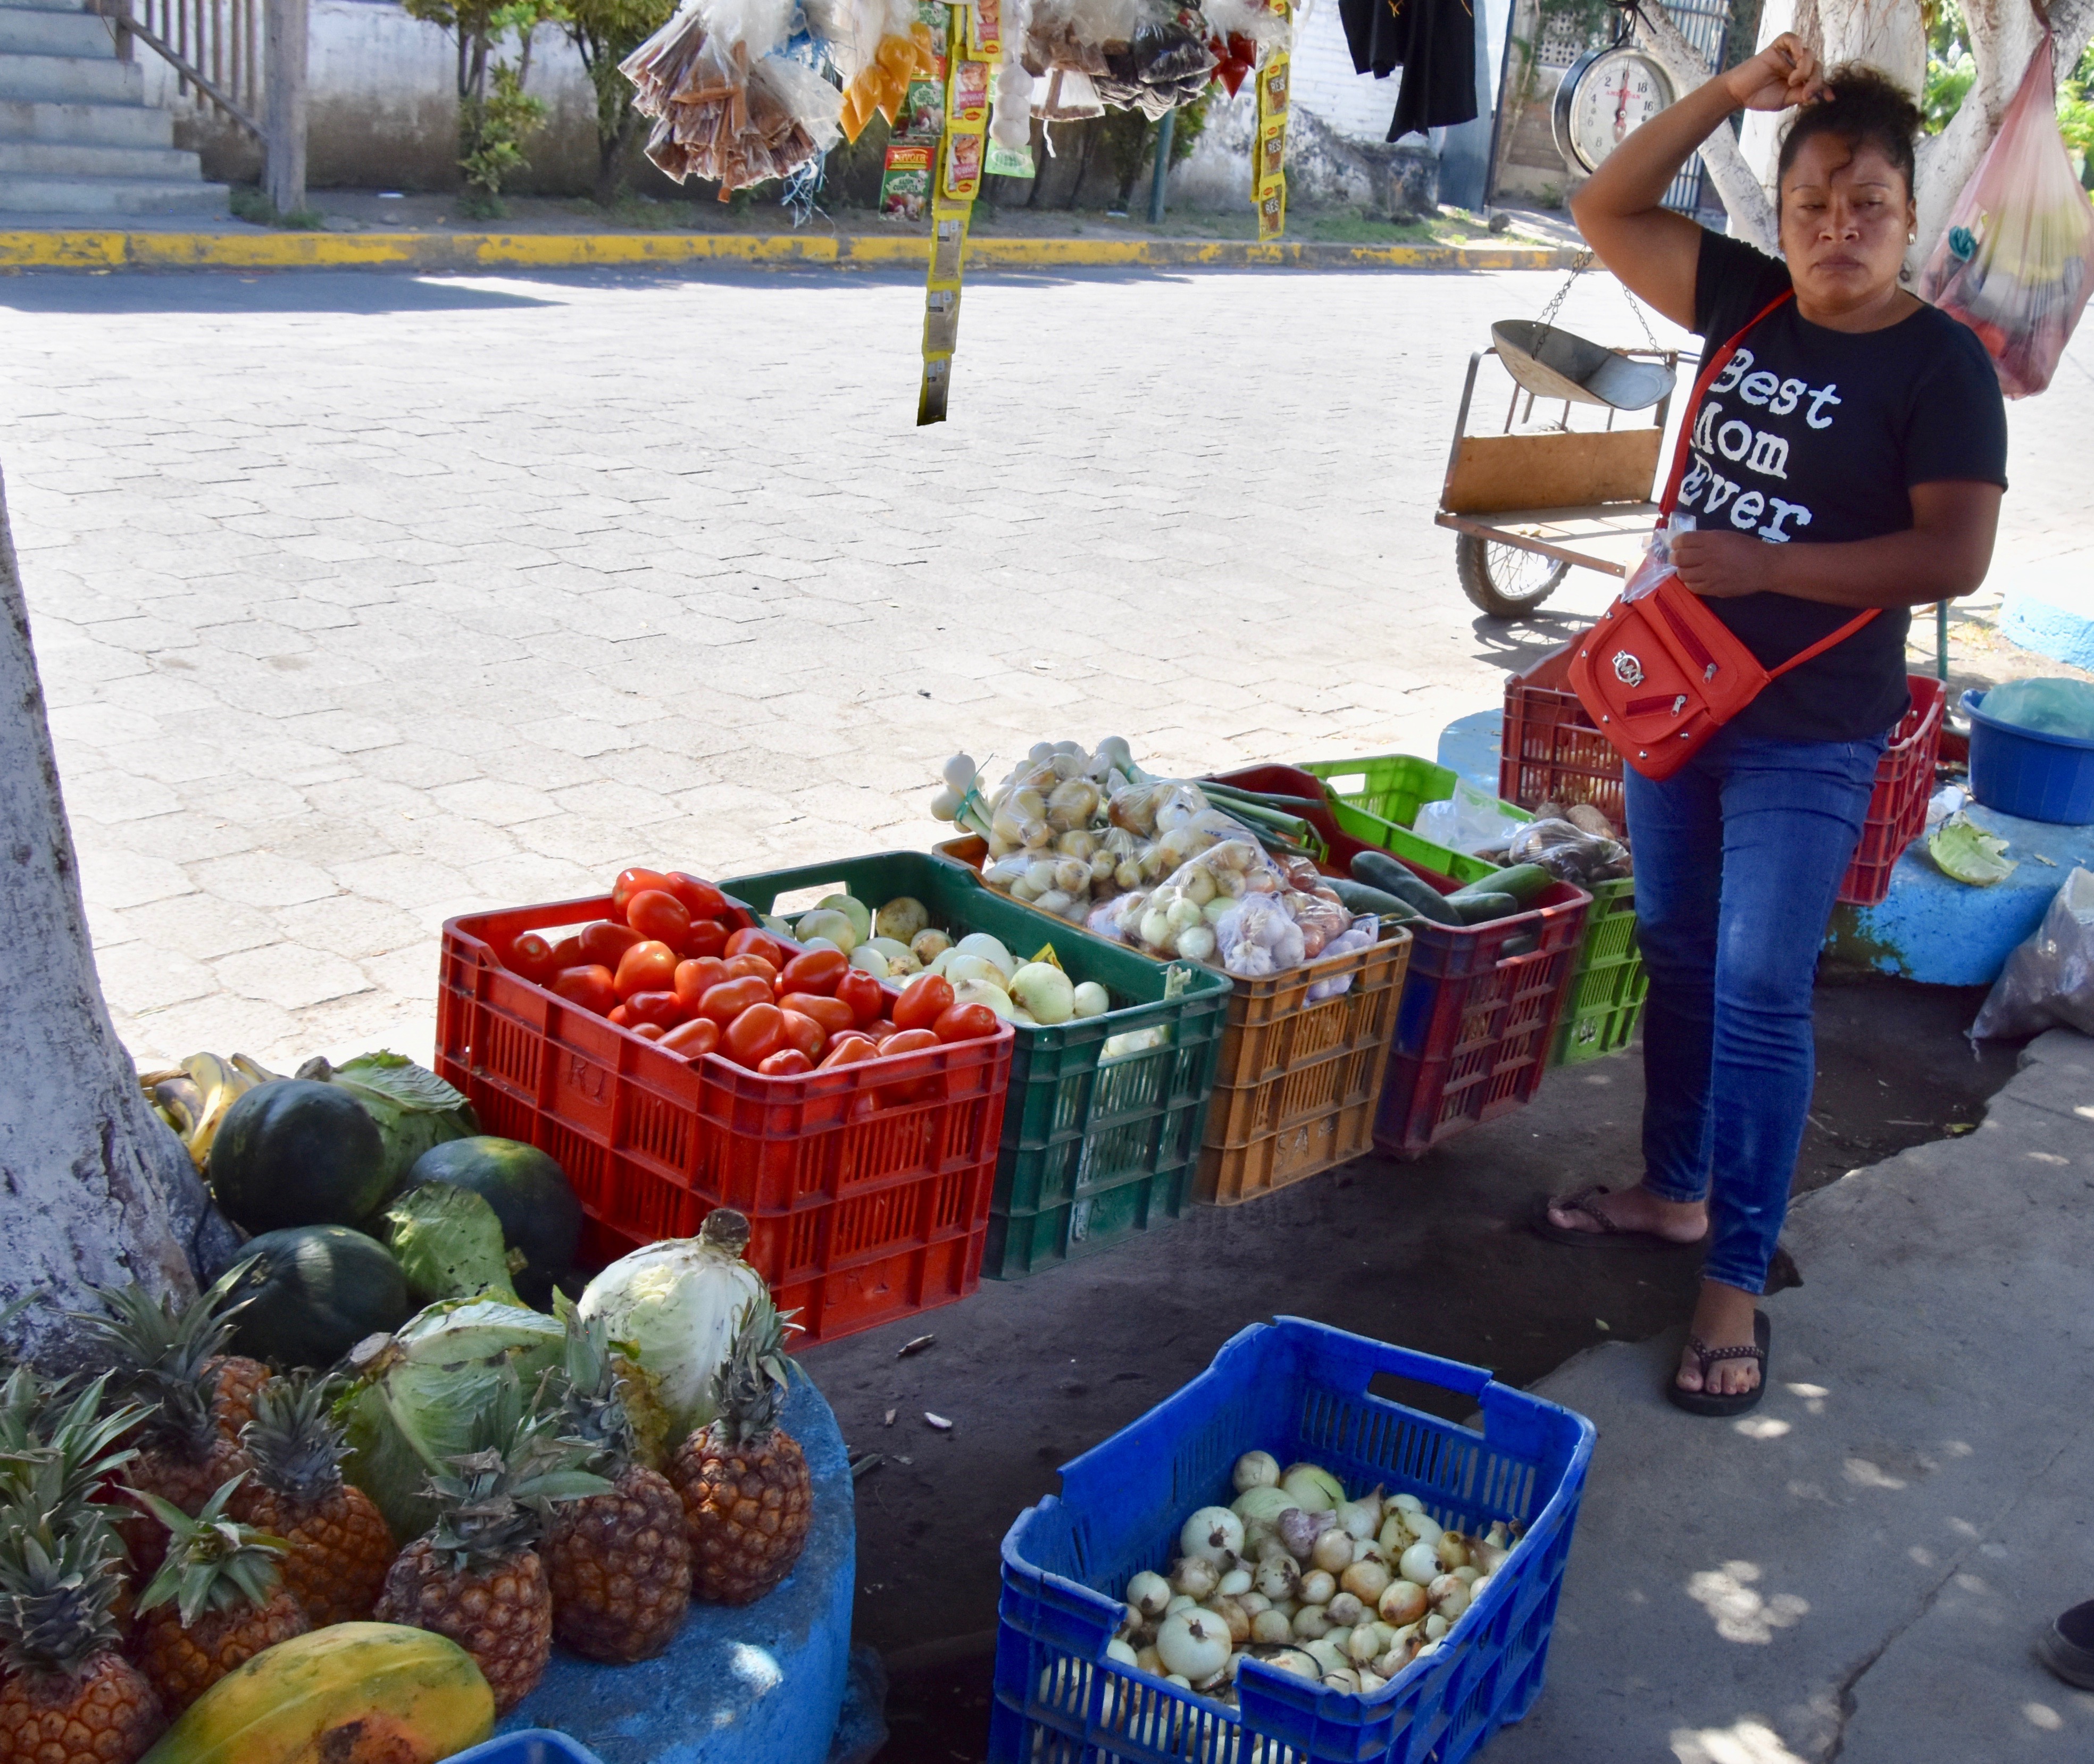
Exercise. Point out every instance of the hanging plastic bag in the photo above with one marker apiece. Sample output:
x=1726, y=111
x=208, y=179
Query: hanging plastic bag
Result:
x=1468, y=821
x=1656, y=563
x=2017, y=263
x=2049, y=980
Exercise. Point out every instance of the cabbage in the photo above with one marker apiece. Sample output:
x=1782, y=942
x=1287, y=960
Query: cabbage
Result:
x=413, y=1107
x=419, y=1393
x=1969, y=854
x=449, y=1244
x=676, y=1307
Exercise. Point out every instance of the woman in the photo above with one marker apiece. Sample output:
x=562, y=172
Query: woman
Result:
x=1851, y=454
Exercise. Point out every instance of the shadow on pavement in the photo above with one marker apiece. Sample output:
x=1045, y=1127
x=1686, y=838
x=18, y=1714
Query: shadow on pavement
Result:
x=214, y=291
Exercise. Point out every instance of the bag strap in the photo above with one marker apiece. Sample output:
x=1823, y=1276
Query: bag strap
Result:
x=1714, y=365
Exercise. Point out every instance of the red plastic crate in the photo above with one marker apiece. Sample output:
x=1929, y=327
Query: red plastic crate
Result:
x=860, y=1210
x=1550, y=751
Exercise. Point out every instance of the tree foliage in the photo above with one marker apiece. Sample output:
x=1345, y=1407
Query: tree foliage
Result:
x=604, y=32
x=495, y=116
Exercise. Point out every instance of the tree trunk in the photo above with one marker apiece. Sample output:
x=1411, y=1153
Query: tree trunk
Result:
x=94, y=1188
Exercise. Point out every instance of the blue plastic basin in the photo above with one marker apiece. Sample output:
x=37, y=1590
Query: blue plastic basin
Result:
x=2026, y=772
x=531, y=1745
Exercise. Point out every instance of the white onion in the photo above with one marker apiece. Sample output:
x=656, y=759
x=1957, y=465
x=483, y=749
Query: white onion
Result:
x=1314, y=1489
x=1214, y=1534
x=1419, y=1563
x=1193, y=1643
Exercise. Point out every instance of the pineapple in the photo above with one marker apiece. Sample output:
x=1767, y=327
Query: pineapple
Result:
x=744, y=1481
x=474, y=1576
x=170, y=1360
x=336, y=1546
x=618, y=1563
x=236, y=1381
x=218, y=1599
x=69, y=1695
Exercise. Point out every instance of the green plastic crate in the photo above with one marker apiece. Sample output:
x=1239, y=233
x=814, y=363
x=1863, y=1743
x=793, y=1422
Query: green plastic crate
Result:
x=1376, y=799
x=1093, y=1150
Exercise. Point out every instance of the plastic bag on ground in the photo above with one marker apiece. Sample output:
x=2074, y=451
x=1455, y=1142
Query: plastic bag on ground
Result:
x=2049, y=980
x=2017, y=261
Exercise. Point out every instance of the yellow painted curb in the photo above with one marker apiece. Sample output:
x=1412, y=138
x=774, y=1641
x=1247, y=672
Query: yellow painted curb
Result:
x=452, y=252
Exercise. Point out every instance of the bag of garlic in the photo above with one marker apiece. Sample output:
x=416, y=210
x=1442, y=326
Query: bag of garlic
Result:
x=1232, y=907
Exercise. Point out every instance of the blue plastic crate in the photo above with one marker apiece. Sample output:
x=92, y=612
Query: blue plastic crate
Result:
x=1298, y=1390
x=528, y=1745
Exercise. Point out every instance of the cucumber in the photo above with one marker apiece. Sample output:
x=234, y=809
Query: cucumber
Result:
x=1359, y=898
x=1377, y=870
x=1475, y=908
x=1524, y=881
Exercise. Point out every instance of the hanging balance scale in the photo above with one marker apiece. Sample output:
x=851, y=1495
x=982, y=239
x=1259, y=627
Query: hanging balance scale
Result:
x=1604, y=96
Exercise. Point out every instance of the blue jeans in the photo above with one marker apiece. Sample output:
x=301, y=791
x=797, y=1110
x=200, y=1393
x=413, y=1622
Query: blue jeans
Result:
x=1739, y=857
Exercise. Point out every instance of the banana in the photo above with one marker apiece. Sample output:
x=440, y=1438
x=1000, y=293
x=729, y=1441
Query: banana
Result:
x=254, y=1072
x=147, y=1081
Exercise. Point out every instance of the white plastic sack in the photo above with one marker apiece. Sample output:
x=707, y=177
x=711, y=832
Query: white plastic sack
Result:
x=1468, y=821
x=2049, y=980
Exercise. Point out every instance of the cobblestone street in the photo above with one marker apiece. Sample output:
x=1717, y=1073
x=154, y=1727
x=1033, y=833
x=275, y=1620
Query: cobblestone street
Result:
x=361, y=602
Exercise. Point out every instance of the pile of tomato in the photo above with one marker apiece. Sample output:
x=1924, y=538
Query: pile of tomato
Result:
x=670, y=965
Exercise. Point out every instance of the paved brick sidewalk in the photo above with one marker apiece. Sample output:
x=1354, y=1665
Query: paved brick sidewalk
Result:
x=361, y=600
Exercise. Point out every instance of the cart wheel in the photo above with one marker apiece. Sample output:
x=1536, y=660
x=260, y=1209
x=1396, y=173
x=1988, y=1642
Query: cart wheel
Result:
x=1506, y=581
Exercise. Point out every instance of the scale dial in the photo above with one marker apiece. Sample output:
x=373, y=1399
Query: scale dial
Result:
x=1604, y=96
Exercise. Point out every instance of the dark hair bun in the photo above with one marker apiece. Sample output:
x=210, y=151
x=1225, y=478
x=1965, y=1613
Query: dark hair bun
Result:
x=1865, y=107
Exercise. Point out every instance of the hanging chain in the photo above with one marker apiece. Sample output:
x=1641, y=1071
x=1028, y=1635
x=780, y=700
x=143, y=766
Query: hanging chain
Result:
x=1636, y=306
x=1579, y=264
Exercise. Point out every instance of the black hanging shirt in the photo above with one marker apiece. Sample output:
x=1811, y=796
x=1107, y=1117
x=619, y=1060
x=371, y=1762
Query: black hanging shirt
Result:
x=1434, y=41
x=1817, y=436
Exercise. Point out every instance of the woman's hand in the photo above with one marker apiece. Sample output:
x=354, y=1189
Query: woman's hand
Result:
x=1721, y=565
x=1783, y=74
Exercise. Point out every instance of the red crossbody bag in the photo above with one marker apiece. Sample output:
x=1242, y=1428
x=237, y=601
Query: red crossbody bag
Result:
x=1660, y=674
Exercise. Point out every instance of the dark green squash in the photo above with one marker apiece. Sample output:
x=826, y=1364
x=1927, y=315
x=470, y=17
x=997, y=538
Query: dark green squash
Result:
x=539, y=1213
x=296, y=1153
x=315, y=1292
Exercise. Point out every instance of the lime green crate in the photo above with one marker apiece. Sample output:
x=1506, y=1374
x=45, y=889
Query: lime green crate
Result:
x=1377, y=798
x=1096, y=1146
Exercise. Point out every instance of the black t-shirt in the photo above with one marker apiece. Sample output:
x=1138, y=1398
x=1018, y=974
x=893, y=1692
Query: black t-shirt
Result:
x=1817, y=436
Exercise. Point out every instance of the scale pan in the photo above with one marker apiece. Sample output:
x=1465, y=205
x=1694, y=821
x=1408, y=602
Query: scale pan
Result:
x=1552, y=362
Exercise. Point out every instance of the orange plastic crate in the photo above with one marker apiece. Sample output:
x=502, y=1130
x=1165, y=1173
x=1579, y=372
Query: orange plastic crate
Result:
x=861, y=1209
x=1550, y=751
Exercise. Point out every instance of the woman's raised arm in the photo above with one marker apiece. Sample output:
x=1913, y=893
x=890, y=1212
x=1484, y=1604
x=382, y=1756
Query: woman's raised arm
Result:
x=1652, y=251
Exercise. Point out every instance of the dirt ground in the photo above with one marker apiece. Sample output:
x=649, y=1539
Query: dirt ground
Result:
x=1433, y=1255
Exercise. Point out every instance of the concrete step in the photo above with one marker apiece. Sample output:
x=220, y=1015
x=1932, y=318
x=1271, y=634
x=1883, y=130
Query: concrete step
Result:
x=71, y=159
x=39, y=32
x=93, y=125
x=41, y=5
x=72, y=79
x=36, y=194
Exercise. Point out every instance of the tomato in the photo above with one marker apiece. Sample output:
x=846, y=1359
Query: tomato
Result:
x=804, y=1032
x=755, y=1034
x=965, y=1023
x=738, y=966
x=725, y=1001
x=707, y=936
x=646, y=967
x=659, y=916
x=880, y=1030
x=621, y=1016
x=701, y=899
x=605, y=942
x=567, y=953
x=834, y=1015
x=817, y=971
x=693, y=1039
x=787, y=1063
x=912, y=1089
x=589, y=986
x=922, y=1001
x=749, y=941
x=630, y=882
x=865, y=995
x=694, y=979
x=664, y=1009
x=649, y=1032
x=848, y=1050
x=532, y=957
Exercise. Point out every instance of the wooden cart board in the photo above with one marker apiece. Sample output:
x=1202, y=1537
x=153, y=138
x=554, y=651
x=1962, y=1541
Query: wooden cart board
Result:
x=1609, y=538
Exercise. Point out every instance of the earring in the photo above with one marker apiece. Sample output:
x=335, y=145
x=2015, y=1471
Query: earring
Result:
x=1913, y=237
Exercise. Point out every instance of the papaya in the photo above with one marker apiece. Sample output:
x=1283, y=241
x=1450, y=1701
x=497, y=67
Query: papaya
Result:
x=352, y=1693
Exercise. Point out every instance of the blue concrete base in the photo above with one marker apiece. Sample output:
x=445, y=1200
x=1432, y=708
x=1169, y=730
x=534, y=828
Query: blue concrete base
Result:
x=1929, y=927
x=763, y=1684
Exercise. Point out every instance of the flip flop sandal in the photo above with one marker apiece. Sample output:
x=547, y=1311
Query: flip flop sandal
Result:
x=2067, y=1646
x=1700, y=1402
x=1607, y=1234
